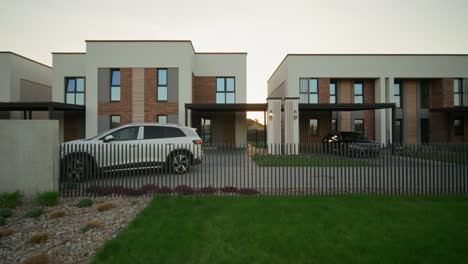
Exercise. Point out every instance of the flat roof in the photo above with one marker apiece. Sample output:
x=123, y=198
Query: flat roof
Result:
x=361, y=54
x=26, y=58
x=39, y=106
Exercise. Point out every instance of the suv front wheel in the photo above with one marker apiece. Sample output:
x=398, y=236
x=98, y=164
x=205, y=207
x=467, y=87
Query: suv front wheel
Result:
x=180, y=162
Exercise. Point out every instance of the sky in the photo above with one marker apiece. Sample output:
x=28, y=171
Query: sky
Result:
x=267, y=30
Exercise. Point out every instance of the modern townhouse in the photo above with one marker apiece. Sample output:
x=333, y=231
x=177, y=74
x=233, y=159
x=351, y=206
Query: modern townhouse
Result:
x=320, y=93
x=23, y=83
x=124, y=81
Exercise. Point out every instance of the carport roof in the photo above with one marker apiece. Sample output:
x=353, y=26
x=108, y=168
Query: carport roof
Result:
x=226, y=107
x=39, y=106
x=345, y=107
x=456, y=109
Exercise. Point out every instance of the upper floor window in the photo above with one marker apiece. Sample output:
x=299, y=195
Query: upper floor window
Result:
x=397, y=87
x=162, y=85
x=333, y=92
x=115, y=85
x=308, y=91
x=358, y=92
x=457, y=92
x=74, y=90
x=424, y=94
x=225, y=90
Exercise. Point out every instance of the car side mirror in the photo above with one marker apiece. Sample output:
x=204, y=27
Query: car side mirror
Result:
x=109, y=138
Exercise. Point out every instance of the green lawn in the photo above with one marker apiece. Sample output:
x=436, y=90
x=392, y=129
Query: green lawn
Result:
x=452, y=157
x=307, y=160
x=308, y=229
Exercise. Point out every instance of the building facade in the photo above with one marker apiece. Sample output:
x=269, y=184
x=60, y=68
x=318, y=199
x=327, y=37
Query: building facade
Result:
x=120, y=82
x=320, y=93
x=23, y=80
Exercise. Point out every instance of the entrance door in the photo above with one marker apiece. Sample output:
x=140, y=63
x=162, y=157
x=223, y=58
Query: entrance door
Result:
x=424, y=128
x=206, y=131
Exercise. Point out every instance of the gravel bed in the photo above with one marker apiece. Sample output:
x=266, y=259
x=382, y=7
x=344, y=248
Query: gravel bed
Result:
x=67, y=243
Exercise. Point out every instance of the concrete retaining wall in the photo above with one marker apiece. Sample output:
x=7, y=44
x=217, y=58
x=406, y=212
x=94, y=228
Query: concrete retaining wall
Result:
x=29, y=156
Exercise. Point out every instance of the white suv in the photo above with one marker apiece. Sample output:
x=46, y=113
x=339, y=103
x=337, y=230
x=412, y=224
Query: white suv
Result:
x=171, y=146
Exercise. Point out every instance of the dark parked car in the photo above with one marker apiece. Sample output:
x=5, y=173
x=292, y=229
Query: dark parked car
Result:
x=350, y=143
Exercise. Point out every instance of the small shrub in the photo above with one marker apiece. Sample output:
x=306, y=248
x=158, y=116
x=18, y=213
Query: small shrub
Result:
x=85, y=202
x=208, y=190
x=104, y=206
x=6, y=212
x=165, y=190
x=2, y=221
x=48, y=198
x=56, y=214
x=37, y=259
x=92, y=224
x=10, y=200
x=184, y=190
x=39, y=237
x=248, y=191
x=35, y=212
x=229, y=189
x=4, y=232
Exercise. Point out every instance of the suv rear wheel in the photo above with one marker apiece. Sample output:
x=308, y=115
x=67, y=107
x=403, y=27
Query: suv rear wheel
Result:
x=180, y=162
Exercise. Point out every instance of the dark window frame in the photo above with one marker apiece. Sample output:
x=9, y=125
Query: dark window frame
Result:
x=399, y=95
x=225, y=92
x=308, y=90
x=112, y=85
x=110, y=121
x=157, y=119
x=363, y=125
x=310, y=132
x=358, y=94
x=459, y=92
x=75, y=92
x=162, y=85
x=461, y=129
x=334, y=95
x=424, y=97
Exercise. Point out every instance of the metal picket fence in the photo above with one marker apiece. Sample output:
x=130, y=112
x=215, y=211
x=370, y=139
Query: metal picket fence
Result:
x=147, y=169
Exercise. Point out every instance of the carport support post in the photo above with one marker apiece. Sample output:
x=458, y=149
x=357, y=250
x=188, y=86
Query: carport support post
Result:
x=393, y=128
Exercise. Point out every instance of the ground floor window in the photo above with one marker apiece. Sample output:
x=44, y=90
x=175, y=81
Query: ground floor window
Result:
x=398, y=131
x=359, y=126
x=313, y=127
x=161, y=119
x=114, y=121
x=459, y=127
x=206, y=131
x=424, y=130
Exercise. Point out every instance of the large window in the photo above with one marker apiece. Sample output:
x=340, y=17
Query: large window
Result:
x=459, y=127
x=358, y=92
x=397, y=87
x=458, y=92
x=333, y=92
x=115, y=85
x=114, y=121
x=308, y=91
x=225, y=90
x=424, y=94
x=359, y=126
x=162, y=119
x=74, y=90
x=162, y=85
x=313, y=127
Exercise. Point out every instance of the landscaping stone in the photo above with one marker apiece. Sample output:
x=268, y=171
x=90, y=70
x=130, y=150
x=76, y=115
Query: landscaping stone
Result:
x=66, y=243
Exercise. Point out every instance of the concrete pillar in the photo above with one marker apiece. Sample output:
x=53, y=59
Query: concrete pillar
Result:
x=389, y=99
x=380, y=114
x=274, y=125
x=291, y=125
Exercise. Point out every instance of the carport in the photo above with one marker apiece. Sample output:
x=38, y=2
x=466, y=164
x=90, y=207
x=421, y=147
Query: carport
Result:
x=349, y=107
x=28, y=107
x=218, y=110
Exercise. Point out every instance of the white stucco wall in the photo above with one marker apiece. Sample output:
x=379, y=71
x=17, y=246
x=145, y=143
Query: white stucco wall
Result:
x=228, y=65
x=278, y=82
x=66, y=65
x=5, y=77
